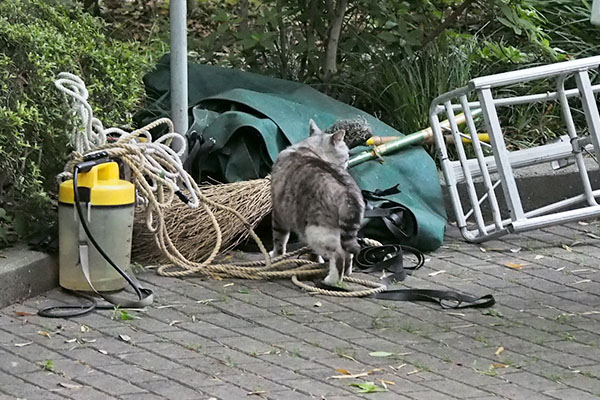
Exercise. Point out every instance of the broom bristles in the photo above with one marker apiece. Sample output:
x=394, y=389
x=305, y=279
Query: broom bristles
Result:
x=191, y=230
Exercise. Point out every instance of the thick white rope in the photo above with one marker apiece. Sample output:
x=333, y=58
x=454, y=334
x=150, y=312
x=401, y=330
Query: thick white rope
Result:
x=93, y=136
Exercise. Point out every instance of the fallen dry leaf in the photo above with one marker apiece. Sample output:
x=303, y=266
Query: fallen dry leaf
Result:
x=513, y=265
x=436, y=273
x=515, y=250
x=398, y=367
x=380, y=354
x=167, y=306
x=256, y=393
x=84, y=328
x=102, y=351
x=538, y=257
x=349, y=357
x=44, y=333
x=581, y=281
x=71, y=340
x=499, y=365
x=348, y=375
x=500, y=350
x=593, y=236
x=125, y=338
x=458, y=314
x=567, y=248
x=229, y=284
x=353, y=376
x=23, y=344
x=317, y=304
x=69, y=385
x=174, y=322
x=23, y=314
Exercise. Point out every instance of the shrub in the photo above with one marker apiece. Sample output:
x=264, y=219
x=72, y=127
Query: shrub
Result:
x=39, y=39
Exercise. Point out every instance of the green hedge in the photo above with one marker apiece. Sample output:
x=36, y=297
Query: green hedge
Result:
x=39, y=39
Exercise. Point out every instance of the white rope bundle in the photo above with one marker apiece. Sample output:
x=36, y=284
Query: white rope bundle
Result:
x=93, y=136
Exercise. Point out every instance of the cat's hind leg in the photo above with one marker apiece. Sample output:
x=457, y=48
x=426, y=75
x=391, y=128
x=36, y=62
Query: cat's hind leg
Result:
x=281, y=235
x=348, y=264
x=351, y=249
x=325, y=241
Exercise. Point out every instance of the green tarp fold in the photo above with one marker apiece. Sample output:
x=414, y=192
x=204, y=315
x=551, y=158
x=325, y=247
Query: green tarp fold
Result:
x=250, y=118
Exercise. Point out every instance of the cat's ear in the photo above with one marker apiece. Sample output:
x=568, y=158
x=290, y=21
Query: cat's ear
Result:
x=313, y=128
x=338, y=137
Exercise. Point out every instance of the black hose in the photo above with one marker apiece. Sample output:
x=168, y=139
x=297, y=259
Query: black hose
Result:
x=93, y=241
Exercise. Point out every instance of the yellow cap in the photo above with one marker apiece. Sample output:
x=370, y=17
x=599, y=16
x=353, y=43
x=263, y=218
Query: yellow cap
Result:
x=106, y=189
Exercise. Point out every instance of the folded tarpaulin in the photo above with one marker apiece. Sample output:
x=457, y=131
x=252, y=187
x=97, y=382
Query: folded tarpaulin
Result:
x=245, y=120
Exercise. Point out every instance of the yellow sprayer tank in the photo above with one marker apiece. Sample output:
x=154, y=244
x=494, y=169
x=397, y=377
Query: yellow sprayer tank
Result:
x=108, y=204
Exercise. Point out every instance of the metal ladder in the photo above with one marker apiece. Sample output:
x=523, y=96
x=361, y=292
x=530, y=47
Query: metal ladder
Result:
x=470, y=164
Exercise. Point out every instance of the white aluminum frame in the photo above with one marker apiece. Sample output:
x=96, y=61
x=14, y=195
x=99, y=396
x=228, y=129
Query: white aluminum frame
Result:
x=503, y=162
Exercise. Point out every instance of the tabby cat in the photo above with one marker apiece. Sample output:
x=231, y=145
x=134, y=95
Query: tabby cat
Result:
x=316, y=198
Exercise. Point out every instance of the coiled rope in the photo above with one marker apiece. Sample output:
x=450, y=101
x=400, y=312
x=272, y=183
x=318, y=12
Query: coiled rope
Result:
x=158, y=175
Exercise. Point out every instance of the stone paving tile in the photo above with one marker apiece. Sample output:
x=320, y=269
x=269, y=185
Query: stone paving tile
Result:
x=205, y=338
x=431, y=395
x=570, y=394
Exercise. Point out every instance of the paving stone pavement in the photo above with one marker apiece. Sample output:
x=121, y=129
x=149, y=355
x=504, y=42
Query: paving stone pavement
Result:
x=235, y=339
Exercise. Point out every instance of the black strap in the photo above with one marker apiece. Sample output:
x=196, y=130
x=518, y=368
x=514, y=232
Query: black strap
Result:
x=447, y=299
x=397, y=218
x=390, y=258
x=199, y=150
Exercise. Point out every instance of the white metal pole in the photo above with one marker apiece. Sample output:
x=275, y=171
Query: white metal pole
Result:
x=179, y=76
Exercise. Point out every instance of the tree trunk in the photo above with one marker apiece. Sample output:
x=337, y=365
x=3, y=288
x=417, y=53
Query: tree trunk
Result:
x=335, y=29
x=191, y=6
x=283, y=45
x=244, y=4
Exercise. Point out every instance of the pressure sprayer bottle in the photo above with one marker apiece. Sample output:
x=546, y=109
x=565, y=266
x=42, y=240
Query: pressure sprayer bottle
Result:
x=108, y=206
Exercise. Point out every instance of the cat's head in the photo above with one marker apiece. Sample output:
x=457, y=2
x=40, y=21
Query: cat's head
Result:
x=329, y=147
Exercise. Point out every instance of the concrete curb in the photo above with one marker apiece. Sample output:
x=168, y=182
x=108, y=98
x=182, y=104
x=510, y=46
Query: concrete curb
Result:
x=538, y=185
x=25, y=273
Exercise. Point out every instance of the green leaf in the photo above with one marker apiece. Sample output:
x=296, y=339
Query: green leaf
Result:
x=125, y=316
x=368, y=387
x=387, y=36
x=380, y=354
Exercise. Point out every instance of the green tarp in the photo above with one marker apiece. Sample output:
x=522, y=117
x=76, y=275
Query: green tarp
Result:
x=251, y=118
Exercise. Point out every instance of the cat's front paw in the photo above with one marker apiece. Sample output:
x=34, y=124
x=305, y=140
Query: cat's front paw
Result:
x=273, y=253
x=332, y=279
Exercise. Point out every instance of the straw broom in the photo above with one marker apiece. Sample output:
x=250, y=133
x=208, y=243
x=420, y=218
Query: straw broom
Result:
x=193, y=234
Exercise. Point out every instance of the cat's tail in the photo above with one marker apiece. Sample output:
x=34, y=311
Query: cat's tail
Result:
x=350, y=215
